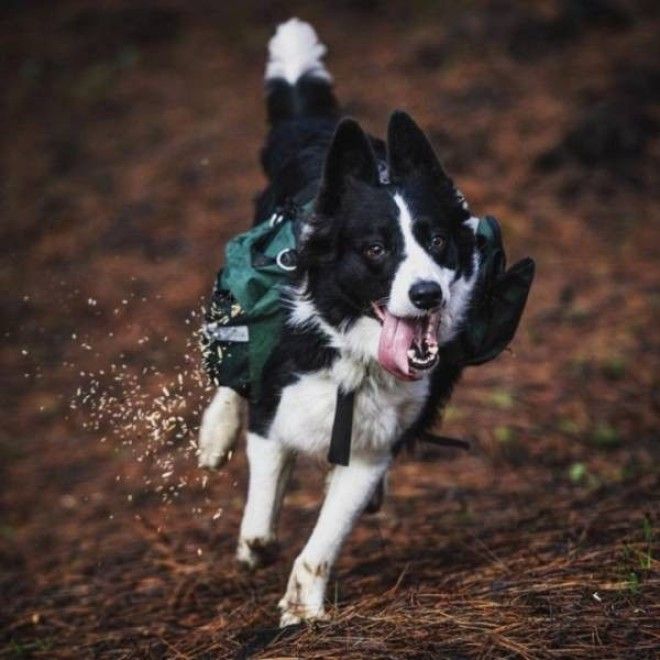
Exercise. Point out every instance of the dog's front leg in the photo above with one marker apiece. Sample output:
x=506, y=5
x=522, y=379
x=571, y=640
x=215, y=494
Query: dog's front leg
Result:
x=348, y=494
x=270, y=468
x=220, y=427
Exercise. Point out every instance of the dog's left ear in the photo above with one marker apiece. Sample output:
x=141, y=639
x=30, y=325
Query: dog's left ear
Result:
x=350, y=157
x=409, y=151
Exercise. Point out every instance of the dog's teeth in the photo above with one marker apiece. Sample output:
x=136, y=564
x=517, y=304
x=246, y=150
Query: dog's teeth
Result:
x=433, y=350
x=411, y=354
x=378, y=311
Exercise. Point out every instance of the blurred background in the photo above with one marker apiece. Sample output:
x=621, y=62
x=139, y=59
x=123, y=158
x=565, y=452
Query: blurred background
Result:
x=129, y=155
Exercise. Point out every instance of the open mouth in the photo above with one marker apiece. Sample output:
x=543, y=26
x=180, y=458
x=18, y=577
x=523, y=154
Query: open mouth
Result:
x=408, y=346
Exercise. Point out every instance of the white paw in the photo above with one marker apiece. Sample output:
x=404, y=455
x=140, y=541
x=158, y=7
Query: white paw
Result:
x=288, y=618
x=253, y=553
x=293, y=615
x=303, y=600
x=220, y=428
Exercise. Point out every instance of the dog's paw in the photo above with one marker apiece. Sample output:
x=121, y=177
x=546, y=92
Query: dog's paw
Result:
x=220, y=428
x=303, y=599
x=294, y=613
x=253, y=553
x=211, y=456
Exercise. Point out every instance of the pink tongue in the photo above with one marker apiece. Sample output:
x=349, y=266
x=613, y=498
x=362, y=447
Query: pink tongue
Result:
x=396, y=338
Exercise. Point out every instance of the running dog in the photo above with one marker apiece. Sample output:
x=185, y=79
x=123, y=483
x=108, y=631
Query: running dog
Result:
x=387, y=266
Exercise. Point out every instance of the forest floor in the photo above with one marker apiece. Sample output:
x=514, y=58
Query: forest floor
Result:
x=130, y=155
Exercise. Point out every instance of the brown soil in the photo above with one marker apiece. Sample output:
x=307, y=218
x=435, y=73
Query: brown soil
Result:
x=129, y=156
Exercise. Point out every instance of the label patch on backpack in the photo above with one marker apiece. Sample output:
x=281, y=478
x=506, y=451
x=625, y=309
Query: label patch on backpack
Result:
x=235, y=333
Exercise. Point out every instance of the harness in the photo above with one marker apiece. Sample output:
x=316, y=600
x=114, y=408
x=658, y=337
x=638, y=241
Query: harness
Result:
x=245, y=317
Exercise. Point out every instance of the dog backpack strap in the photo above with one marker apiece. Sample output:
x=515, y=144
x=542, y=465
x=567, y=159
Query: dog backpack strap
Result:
x=342, y=428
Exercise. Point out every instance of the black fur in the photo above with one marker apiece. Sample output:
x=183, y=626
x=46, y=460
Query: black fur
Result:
x=352, y=210
x=309, y=155
x=309, y=97
x=432, y=196
x=299, y=351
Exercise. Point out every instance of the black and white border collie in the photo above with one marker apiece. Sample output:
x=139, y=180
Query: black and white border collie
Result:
x=387, y=265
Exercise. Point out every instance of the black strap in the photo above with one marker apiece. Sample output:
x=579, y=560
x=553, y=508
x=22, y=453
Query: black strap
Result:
x=340, y=442
x=445, y=441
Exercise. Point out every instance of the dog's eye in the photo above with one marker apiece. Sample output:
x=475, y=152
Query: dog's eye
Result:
x=437, y=242
x=374, y=251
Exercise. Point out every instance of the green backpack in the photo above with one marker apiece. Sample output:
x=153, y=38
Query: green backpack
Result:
x=245, y=317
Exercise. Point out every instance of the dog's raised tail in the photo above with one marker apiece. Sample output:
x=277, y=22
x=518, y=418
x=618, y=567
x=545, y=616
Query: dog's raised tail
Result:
x=297, y=82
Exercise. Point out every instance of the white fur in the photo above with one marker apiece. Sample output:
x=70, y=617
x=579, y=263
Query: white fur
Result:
x=454, y=311
x=417, y=265
x=270, y=468
x=220, y=428
x=472, y=223
x=383, y=408
x=360, y=341
x=461, y=199
x=294, y=51
x=349, y=492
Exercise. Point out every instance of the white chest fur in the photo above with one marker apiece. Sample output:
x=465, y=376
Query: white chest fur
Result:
x=384, y=407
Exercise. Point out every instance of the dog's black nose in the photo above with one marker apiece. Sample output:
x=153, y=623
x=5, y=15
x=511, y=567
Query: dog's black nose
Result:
x=425, y=294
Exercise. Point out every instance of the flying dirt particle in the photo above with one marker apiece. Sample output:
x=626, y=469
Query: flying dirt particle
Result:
x=151, y=414
x=68, y=501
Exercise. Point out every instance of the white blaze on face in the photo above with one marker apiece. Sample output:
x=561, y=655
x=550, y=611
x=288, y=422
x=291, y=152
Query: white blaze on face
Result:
x=417, y=265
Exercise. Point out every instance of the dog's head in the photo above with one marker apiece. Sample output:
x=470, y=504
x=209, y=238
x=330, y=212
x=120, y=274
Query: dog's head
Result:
x=400, y=253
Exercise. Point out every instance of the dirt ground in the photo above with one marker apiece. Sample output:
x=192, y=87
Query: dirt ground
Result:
x=130, y=138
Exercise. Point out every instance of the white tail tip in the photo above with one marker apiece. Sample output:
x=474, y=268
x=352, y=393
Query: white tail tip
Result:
x=295, y=50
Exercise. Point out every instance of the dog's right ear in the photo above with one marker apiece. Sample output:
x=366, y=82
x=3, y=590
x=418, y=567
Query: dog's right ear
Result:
x=410, y=152
x=350, y=157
